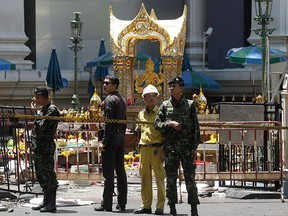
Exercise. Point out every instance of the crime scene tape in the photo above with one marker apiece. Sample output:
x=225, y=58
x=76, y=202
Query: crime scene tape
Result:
x=80, y=119
x=68, y=119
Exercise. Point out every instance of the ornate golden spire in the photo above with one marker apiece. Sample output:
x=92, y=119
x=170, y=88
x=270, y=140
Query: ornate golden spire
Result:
x=95, y=106
x=201, y=102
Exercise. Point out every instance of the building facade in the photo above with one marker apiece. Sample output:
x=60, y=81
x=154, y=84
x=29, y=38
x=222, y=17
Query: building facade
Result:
x=43, y=24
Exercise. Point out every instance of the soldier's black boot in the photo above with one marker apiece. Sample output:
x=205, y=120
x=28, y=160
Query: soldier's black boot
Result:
x=194, y=210
x=172, y=209
x=51, y=207
x=45, y=200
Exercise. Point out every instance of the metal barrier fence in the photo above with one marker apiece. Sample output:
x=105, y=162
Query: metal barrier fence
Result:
x=243, y=152
x=77, y=155
x=240, y=152
x=16, y=167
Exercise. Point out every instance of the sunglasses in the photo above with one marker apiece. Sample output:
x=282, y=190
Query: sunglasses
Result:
x=106, y=83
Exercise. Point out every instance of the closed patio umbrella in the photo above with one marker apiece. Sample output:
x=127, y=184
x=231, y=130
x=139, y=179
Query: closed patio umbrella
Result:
x=100, y=72
x=54, y=78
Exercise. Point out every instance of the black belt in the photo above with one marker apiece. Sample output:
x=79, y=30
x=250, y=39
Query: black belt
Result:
x=151, y=145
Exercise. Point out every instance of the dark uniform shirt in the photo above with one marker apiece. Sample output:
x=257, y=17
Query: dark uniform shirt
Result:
x=183, y=112
x=45, y=129
x=114, y=108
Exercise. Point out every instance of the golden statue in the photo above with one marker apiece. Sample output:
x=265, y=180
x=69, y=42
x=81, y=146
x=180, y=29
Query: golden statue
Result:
x=149, y=77
x=213, y=139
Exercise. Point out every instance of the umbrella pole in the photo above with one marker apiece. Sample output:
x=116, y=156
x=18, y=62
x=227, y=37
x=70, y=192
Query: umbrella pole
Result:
x=253, y=88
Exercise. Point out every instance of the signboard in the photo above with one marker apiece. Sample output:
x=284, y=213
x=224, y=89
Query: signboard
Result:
x=241, y=112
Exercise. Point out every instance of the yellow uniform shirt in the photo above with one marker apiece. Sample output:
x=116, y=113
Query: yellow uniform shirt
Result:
x=149, y=135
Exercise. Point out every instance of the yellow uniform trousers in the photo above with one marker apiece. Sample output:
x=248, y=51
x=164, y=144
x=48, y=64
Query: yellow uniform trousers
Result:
x=150, y=160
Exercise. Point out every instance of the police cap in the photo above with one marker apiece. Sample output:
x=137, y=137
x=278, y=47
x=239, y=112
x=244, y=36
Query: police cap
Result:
x=41, y=91
x=179, y=80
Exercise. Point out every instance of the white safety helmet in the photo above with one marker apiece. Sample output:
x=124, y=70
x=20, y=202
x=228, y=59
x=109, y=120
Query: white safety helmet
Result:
x=150, y=89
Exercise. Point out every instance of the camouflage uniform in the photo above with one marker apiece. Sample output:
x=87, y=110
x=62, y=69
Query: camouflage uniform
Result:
x=178, y=145
x=44, y=147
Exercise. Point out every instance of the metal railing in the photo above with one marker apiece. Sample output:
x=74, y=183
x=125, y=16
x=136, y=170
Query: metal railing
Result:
x=242, y=152
x=80, y=158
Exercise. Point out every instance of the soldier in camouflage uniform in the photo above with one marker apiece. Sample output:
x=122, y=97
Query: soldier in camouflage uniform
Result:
x=178, y=122
x=44, y=148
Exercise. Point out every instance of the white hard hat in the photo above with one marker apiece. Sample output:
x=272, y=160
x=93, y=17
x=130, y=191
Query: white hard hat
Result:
x=150, y=89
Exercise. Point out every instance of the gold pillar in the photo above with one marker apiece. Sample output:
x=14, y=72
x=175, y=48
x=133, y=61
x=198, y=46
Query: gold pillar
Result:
x=172, y=68
x=124, y=71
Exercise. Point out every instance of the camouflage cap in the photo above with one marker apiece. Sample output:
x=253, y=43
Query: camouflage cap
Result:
x=41, y=91
x=178, y=80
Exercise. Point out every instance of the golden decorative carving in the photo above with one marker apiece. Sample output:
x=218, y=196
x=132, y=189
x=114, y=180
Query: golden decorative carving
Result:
x=124, y=37
x=260, y=99
x=149, y=77
x=95, y=106
x=201, y=102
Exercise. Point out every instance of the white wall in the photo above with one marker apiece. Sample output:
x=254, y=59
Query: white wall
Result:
x=53, y=27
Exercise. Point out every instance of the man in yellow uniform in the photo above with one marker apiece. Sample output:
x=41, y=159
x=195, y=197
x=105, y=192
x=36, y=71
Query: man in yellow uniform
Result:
x=151, y=156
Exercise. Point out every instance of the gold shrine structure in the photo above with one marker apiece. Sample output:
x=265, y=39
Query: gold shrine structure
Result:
x=124, y=37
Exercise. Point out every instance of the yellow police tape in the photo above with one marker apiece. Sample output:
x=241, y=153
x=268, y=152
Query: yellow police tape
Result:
x=79, y=119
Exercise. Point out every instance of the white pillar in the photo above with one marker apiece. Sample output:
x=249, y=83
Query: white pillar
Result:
x=12, y=35
x=283, y=30
x=284, y=95
x=283, y=16
x=196, y=24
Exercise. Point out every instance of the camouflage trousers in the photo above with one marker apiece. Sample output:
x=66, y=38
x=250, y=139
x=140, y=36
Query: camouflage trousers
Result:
x=172, y=163
x=44, y=165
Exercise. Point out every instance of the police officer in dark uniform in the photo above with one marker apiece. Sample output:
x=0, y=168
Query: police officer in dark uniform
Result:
x=177, y=120
x=44, y=148
x=113, y=147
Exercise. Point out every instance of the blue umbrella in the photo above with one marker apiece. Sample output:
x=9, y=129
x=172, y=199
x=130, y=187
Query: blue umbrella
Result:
x=6, y=65
x=107, y=59
x=158, y=63
x=186, y=66
x=54, y=79
x=101, y=71
x=193, y=79
x=90, y=89
x=253, y=55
